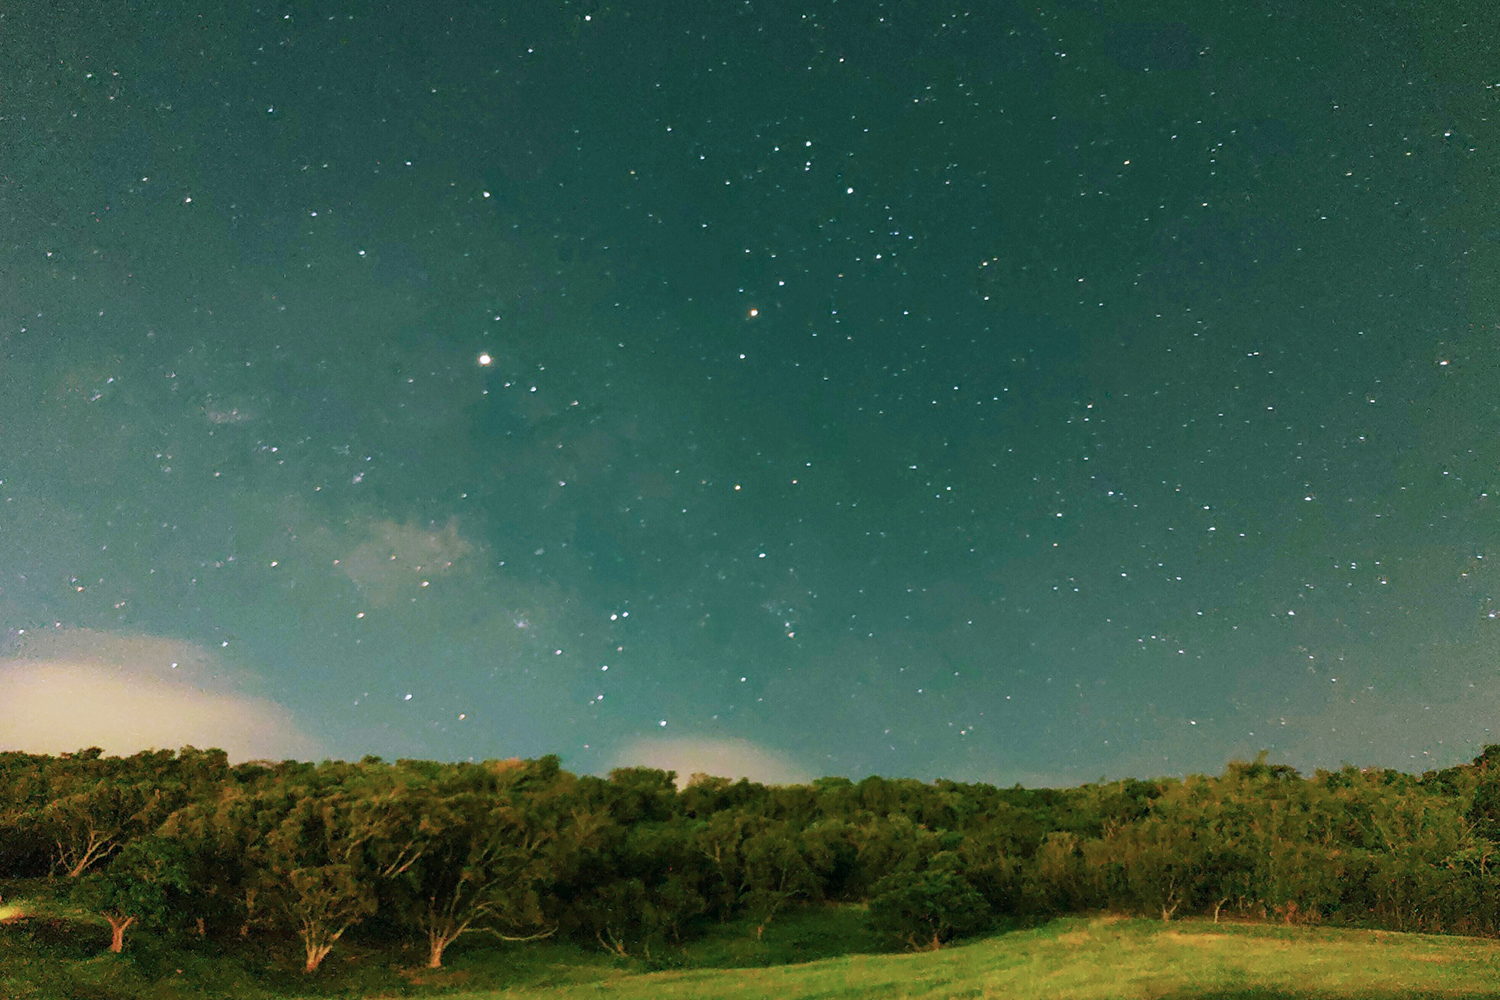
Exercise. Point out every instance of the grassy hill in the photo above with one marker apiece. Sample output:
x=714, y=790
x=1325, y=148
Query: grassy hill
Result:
x=1074, y=958
x=1084, y=959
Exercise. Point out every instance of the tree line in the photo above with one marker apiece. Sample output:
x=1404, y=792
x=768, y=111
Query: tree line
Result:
x=193, y=847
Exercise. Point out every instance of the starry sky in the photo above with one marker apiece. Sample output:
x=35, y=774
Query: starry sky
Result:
x=1000, y=392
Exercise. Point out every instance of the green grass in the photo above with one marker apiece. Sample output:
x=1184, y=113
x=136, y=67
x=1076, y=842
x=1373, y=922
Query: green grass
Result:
x=1075, y=958
x=1101, y=959
x=57, y=953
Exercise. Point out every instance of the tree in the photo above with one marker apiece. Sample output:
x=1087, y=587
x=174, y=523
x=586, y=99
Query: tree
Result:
x=324, y=901
x=97, y=804
x=757, y=864
x=1484, y=807
x=93, y=808
x=314, y=856
x=1163, y=863
x=143, y=883
x=924, y=909
x=992, y=870
x=887, y=844
x=627, y=888
x=1057, y=878
x=297, y=836
x=776, y=872
x=24, y=847
x=487, y=828
x=1165, y=854
x=222, y=838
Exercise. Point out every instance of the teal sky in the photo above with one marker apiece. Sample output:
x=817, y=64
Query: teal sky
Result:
x=1002, y=392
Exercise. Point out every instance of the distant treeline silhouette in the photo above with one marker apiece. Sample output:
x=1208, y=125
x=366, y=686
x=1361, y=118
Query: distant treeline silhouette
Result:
x=193, y=847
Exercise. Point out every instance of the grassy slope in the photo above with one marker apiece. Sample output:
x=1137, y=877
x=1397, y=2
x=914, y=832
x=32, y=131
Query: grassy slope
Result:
x=1078, y=958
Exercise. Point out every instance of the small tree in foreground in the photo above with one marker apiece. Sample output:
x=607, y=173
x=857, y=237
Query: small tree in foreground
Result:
x=926, y=908
x=141, y=884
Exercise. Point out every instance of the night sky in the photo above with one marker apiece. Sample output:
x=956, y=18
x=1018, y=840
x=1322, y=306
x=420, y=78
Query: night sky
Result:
x=997, y=392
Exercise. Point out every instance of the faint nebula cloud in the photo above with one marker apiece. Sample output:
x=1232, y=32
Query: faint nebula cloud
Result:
x=226, y=412
x=732, y=758
x=396, y=559
x=64, y=690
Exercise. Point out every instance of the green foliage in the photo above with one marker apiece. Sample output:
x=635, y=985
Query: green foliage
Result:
x=1484, y=808
x=90, y=806
x=24, y=793
x=267, y=861
x=924, y=909
x=145, y=884
x=322, y=902
x=477, y=854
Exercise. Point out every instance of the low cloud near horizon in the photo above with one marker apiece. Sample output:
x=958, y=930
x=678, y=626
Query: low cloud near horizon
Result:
x=74, y=688
x=732, y=758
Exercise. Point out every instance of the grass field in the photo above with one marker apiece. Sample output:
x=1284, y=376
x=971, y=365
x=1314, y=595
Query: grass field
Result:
x=1084, y=959
x=1075, y=958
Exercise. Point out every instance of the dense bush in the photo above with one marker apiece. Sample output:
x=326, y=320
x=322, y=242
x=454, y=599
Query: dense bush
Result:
x=924, y=909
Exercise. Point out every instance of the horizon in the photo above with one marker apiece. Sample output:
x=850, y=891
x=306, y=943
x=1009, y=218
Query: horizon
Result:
x=682, y=780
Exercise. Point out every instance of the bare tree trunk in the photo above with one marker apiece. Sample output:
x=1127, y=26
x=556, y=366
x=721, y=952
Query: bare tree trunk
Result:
x=614, y=945
x=435, y=944
x=318, y=943
x=315, y=955
x=117, y=927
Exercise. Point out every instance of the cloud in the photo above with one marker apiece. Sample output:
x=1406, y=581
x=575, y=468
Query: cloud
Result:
x=721, y=758
x=396, y=558
x=223, y=411
x=65, y=690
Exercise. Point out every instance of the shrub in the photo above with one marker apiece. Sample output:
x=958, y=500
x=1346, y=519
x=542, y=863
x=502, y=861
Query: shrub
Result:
x=924, y=909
